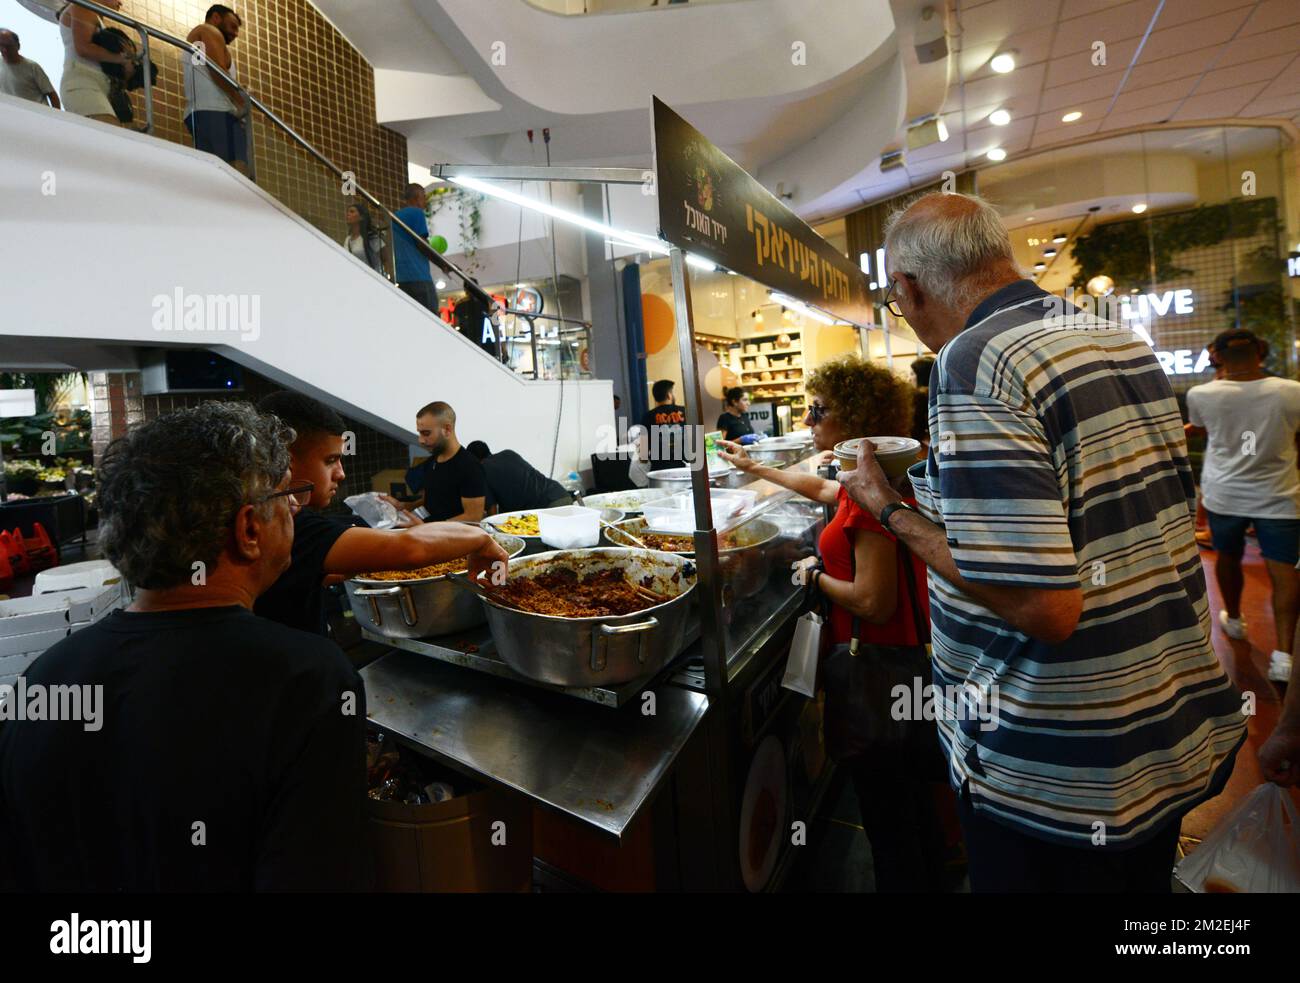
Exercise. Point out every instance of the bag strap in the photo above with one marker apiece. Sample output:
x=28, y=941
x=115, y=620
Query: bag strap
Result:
x=922, y=628
x=909, y=576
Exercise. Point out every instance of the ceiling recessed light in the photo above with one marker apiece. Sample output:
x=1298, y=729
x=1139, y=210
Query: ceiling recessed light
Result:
x=1030, y=219
x=440, y=285
x=1072, y=116
x=1040, y=266
x=1003, y=63
x=999, y=117
x=1049, y=252
x=1139, y=208
x=997, y=153
x=1059, y=238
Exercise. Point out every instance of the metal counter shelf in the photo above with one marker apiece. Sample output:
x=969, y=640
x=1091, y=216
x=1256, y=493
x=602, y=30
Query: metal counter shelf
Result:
x=598, y=767
x=475, y=649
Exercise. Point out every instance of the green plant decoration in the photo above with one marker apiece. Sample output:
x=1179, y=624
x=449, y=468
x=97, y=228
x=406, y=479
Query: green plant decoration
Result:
x=1138, y=252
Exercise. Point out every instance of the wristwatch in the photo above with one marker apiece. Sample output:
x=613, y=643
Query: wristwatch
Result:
x=888, y=511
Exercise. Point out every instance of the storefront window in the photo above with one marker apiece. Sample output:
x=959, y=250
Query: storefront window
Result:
x=1185, y=228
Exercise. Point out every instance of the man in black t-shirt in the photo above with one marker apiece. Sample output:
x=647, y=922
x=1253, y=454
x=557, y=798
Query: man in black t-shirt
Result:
x=326, y=549
x=513, y=484
x=451, y=479
x=663, y=445
x=214, y=750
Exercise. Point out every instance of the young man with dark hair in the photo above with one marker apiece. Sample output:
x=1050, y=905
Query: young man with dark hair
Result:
x=227, y=752
x=212, y=105
x=21, y=76
x=451, y=478
x=663, y=443
x=411, y=266
x=1249, y=479
x=513, y=484
x=326, y=549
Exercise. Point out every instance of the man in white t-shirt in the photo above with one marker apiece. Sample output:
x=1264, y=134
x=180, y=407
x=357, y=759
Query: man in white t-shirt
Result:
x=21, y=76
x=1250, y=479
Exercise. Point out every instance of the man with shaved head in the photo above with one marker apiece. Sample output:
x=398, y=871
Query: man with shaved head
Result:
x=452, y=478
x=1056, y=510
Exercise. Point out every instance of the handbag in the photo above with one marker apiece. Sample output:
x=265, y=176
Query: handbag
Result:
x=860, y=679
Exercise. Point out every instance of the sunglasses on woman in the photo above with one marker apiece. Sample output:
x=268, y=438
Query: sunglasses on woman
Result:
x=817, y=412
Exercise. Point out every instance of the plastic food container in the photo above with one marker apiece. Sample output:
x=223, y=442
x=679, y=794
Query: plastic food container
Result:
x=570, y=527
x=895, y=454
x=676, y=513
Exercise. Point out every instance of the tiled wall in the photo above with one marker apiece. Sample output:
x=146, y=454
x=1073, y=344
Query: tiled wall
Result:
x=296, y=63
x=118, y=403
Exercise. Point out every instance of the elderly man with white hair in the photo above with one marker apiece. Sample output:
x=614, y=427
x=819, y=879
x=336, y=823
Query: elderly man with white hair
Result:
x=1055, y=515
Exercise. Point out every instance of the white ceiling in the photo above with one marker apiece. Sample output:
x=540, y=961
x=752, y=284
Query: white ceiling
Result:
x=1178, y=61
x=1195, y=60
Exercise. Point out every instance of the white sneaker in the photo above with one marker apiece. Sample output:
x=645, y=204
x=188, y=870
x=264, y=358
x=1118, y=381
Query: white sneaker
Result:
x=1279, y=667
x=1232, y=627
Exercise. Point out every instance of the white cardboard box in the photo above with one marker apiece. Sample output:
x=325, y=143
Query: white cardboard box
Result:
x=25, y=615
x=16, y=665
x=35, y=642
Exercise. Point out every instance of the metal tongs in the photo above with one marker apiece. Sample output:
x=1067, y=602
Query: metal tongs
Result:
x=462, y=581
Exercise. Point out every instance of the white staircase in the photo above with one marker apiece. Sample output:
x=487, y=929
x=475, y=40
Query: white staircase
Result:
x=104, y=231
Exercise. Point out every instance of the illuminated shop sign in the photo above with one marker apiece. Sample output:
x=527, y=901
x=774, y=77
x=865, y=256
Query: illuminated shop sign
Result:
x=1143, y=306
x=1293, y=265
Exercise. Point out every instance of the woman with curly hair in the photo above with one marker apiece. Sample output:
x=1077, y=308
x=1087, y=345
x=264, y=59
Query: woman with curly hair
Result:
x=861, y=574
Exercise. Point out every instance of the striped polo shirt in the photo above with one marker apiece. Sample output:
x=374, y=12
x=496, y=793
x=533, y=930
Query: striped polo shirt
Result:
x=1058, y=460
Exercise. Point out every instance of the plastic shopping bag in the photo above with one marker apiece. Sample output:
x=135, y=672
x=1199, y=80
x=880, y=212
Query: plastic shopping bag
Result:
x=801, y=667
x=377, y=513
x=1255, y=849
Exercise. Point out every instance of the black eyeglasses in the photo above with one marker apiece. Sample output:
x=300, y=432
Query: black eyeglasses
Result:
x=302, y=489
x=889, y=295
x=817, y=412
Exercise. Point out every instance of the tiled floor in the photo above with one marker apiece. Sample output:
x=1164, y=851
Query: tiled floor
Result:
x=841, y=860
x=1246, y=663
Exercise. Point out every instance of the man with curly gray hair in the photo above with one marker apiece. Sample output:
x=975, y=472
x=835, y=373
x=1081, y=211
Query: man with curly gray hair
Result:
x=230, y=751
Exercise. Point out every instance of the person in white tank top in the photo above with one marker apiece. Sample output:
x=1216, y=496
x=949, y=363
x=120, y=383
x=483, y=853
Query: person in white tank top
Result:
x=213, y=106
x=84, y=88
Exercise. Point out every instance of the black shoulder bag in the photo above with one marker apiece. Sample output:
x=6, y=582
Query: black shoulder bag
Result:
x=860, y=679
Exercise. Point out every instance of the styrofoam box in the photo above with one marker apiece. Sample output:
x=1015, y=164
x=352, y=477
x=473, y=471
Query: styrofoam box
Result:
x=37, y=641
x=25, y=615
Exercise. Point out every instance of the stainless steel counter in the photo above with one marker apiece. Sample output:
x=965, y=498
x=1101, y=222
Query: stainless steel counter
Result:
x=596, y=765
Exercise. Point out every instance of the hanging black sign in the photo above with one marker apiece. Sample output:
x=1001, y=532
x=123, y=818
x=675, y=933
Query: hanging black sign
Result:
x=710, y=206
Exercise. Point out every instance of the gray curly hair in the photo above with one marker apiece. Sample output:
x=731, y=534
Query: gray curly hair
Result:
x=170, y=488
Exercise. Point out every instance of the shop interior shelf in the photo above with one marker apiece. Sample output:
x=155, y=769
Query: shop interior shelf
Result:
x=475, y=649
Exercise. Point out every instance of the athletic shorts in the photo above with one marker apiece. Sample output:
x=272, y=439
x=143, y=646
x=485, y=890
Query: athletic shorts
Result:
x=218, y=133
x=1279, y=539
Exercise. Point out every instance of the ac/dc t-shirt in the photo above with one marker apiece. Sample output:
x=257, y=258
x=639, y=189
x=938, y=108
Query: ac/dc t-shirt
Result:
x=664, y=426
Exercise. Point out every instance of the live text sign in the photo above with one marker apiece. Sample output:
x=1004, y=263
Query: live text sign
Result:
x=710, y=206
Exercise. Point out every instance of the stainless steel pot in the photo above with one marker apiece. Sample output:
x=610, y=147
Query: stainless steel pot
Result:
x=597, y=651
x=419, y=608
x=744, y=566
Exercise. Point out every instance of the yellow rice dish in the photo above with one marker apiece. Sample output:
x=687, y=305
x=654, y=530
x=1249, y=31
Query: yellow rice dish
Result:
x=520, y=525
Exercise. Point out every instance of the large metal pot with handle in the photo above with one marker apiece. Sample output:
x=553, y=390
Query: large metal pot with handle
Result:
x=421, y=607
x=744, y=554
x=597, y=651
